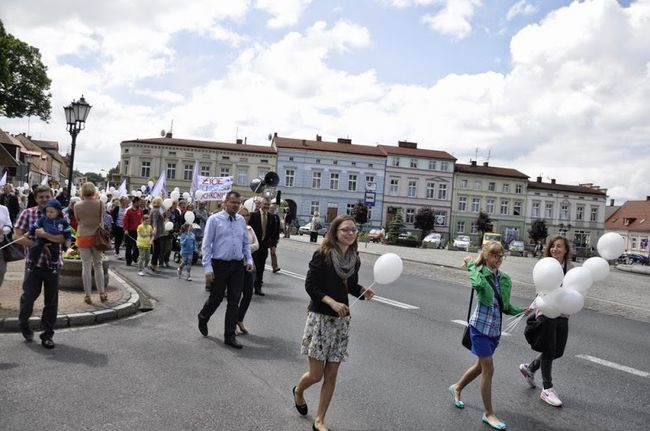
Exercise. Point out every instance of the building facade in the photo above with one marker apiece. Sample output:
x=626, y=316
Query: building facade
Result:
x=632, y=221
x=578, y=212
x=498, y=192
x=418, y=178
x=330, y=177
x=143, y=160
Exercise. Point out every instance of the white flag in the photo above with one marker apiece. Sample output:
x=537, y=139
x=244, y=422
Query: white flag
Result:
x=121, y=191
x=3, y=181
x=44, y=181
x=159, y=187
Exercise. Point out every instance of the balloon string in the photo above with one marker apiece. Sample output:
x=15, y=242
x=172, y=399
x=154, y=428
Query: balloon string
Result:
x=362, y=293
x=9, y=243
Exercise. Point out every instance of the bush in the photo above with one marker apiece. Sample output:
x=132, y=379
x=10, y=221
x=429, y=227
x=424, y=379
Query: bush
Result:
x=408, y=242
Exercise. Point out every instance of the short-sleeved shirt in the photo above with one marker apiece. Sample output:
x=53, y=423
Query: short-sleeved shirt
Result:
x=26, y=219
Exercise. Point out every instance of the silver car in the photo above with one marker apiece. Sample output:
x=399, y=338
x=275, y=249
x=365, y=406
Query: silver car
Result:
x=462, y=242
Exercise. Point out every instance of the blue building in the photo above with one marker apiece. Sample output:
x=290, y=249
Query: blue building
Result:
x=330, y=177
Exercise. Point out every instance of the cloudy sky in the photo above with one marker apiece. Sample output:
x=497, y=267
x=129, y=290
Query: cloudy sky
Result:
x=549, y=87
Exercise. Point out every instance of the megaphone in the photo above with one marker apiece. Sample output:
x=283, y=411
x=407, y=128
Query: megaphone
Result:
x=257, y=185
x=271, y=179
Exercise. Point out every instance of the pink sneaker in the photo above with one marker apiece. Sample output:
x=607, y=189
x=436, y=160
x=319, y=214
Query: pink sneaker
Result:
x=528, y=375
x=550, y=397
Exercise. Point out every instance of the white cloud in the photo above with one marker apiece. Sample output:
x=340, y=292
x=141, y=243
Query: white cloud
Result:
x=162, y=96
x=220, y=33
x=521, y=8
x=284, y=13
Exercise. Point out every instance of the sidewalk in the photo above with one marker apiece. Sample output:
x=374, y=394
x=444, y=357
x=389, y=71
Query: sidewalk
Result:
x=73, y=311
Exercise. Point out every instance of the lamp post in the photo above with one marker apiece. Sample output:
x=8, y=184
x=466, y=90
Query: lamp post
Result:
x=28, y=164
x=75, y=117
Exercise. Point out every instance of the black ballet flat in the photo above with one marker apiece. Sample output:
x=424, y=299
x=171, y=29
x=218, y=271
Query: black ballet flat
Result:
x=302, y=409
x=313, y=427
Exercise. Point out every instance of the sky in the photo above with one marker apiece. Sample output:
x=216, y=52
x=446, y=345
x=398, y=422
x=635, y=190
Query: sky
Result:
x=551, y=88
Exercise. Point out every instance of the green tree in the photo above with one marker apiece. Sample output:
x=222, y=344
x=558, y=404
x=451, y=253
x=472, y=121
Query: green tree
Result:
x=483, y=224
x=24, y=83
x=538, y=231
x=424, y=220
x=395, y=228
x=94, y=178
x=360, y=213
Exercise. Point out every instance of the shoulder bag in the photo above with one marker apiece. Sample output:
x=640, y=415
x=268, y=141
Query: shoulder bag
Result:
x=103, y=236
x=13, y=252
x=467, y=341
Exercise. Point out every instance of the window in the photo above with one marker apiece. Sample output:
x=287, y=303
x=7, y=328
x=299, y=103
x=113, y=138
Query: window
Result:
x=442, y=192
x=580, y=212
x=334, y=181
x=477, y=185
x=505, y=188
x=463, y=184
x=126, y=169
x=187, y=172
x=410, y=215
x=504, y=206
x=394, y=186
x=462, y=203
x=262, y=172
x=354, y=163
x=396, y=162
x=145, y=169
x=535, y=211
x=370, y=178
x=225, y=157
x=548, y=212
x=348, y=209
x=474, y=228
x=413, y=188
x=564, y=211
x=432, y=165
x=444, y=166
x=225, y=172
x=594, y=214
x=205, y=170
x=289, y=176
x=291, y=158
x=318, y=161
x=171, y=171
x=431, y=190
x=519, y=189
x=242, y=176
x=335, y=162
x=352, y=183
x=314, y=207
x=316, y=179
x=460, y=227
x=370, y=165
x=492, y=187
x=516, y=208
x=476, y=205
x=489, y=206
x=581, y=238
x=414, y=163
x=172, y=153
x=440, y=218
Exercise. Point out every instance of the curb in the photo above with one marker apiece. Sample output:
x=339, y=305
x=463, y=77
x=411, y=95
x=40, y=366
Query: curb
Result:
x=123, y=308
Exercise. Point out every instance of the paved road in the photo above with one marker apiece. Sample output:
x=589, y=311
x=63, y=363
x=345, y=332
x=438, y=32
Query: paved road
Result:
x=155, y=371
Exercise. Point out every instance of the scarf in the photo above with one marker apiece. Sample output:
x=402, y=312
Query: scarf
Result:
x=343, y=265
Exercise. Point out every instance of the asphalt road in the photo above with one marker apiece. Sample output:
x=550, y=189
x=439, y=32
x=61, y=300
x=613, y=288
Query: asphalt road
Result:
x=155, y=370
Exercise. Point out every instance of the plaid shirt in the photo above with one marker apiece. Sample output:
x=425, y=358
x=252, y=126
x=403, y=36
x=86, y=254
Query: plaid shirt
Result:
x=487, y=320
x=26, y=219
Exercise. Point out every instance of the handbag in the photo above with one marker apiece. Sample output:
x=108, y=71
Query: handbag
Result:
x=467, y=340
x=103, y=236
x=13, y=252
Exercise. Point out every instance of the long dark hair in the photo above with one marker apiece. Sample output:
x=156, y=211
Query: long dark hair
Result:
x=330, y=241
x=567, y=247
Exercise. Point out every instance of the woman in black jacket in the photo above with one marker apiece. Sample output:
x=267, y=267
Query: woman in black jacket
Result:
x=333, y=274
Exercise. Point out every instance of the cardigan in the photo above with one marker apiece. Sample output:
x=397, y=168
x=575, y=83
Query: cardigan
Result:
x=480, y=277
x=322, y=280
x=89, y=214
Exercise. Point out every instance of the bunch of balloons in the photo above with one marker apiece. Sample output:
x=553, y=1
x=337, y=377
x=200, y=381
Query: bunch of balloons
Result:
x=565, y=294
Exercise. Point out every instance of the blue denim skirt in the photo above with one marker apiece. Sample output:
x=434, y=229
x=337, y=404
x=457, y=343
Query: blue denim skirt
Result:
x=482, y=345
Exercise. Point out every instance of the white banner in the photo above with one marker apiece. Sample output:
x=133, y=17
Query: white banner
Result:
x=213, y=188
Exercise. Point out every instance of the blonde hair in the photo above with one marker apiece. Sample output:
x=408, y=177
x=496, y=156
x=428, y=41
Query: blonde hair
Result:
x=157, y=202
x=489, y=247
x=88, y=190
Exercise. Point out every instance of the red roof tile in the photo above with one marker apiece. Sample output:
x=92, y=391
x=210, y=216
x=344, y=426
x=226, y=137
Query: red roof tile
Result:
x=566, y=188
x=490, y=170
x=635, y=213
x=326, y=146
x=190, y=143
x=416, y=152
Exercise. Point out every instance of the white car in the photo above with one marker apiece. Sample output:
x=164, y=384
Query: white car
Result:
x=306, y=229
x=432, y=240
x=462, y=242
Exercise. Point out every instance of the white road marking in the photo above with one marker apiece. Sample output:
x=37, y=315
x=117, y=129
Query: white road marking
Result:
x=614, y=365
x=377, y=298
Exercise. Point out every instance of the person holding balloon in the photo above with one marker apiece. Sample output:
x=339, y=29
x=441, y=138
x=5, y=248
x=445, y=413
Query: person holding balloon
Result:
x=158, y=224
x=333, y=274
x=492, y=288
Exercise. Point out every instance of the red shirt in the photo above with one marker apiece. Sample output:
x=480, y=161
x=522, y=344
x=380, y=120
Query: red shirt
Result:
x=132, y=219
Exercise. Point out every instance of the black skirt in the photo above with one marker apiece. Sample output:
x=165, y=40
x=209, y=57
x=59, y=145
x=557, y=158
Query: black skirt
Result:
x=547, y=335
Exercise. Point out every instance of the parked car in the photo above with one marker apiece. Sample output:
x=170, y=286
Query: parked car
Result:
x=517, y=248
x=306, y=229
x=462, y=242
x=376, y=235
x=491, y=236
x=406, y=234
x=433, y=240
x=632, y=259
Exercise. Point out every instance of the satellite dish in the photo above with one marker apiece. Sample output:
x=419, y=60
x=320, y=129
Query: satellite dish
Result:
x=270, y=137
x=163, y=133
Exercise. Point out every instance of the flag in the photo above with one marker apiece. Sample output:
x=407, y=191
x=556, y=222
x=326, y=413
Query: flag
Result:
x=44, y=181
x=3, y=181
x=195, y=179
x=121, y=191
x=159, y=187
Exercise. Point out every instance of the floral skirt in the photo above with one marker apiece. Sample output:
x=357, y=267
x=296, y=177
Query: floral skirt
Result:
x=326, y=337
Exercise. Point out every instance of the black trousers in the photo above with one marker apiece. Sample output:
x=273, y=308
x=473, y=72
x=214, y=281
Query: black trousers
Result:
x=556, y=332
x=259, y=259
x=228, y=282
x=131, y=253
x=156, y=255
x=247, y=295
x=118, y=237
x=34, y=280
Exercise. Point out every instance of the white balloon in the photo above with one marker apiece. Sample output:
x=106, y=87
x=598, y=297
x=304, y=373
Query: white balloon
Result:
x=103, y=198
x=547, y=275
x=150, y=184
x=175, y=195
x=198, y=194
x=26, y=186
x=189, y=217
x=547, y=307
x=169, y=225
x=249, y=204
x=176, y=189
x=571, y=301
x=143, y=188
x=138, y=193
x=578, y=278
x=598, y=267
x=388, y=268
x=167, y=203
x=611, y=245
x=186, y=195
x=112, y=189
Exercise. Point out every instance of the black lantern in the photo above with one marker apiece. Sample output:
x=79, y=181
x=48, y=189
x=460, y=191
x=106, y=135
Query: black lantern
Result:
x=75, y=118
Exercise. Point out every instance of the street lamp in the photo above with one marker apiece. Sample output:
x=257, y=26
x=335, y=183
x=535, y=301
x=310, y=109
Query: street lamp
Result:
x=75, y=117
x=28, y=163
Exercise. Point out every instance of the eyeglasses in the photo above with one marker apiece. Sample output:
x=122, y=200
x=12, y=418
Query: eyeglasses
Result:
x=348, y=231
x=499, y=256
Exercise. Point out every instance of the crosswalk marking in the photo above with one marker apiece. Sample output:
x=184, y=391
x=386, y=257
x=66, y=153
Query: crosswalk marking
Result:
x=614, y=365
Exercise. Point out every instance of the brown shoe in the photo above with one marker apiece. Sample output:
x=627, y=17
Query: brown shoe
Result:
x=242, y=328
x=87, y=299
x=103, y=297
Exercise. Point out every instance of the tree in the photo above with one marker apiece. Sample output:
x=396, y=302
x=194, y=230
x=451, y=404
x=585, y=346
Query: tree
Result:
x=395, y=228
x=483, y=224
x=360, y=213
x=425, y=220
x=94, y=178
x=538, y=231
x=24, y=83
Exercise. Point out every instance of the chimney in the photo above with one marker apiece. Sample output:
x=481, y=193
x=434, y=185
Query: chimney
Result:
x=344, y=140
x=647, y=198
x=319, y=138
x=611, y=202
x=539, y=179
x=473, y=162
x=485, y=163
x=552, y=180
x=407, y=144
x=275, y=134
x=168, y=135
x=304, y=143
x=239, y=141
x=245, y=139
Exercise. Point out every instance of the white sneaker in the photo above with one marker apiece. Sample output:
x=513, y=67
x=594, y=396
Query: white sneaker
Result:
x=550, y=397
x=189, y=278
x=528, y=375
x=141, y=273
x=178, y=271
